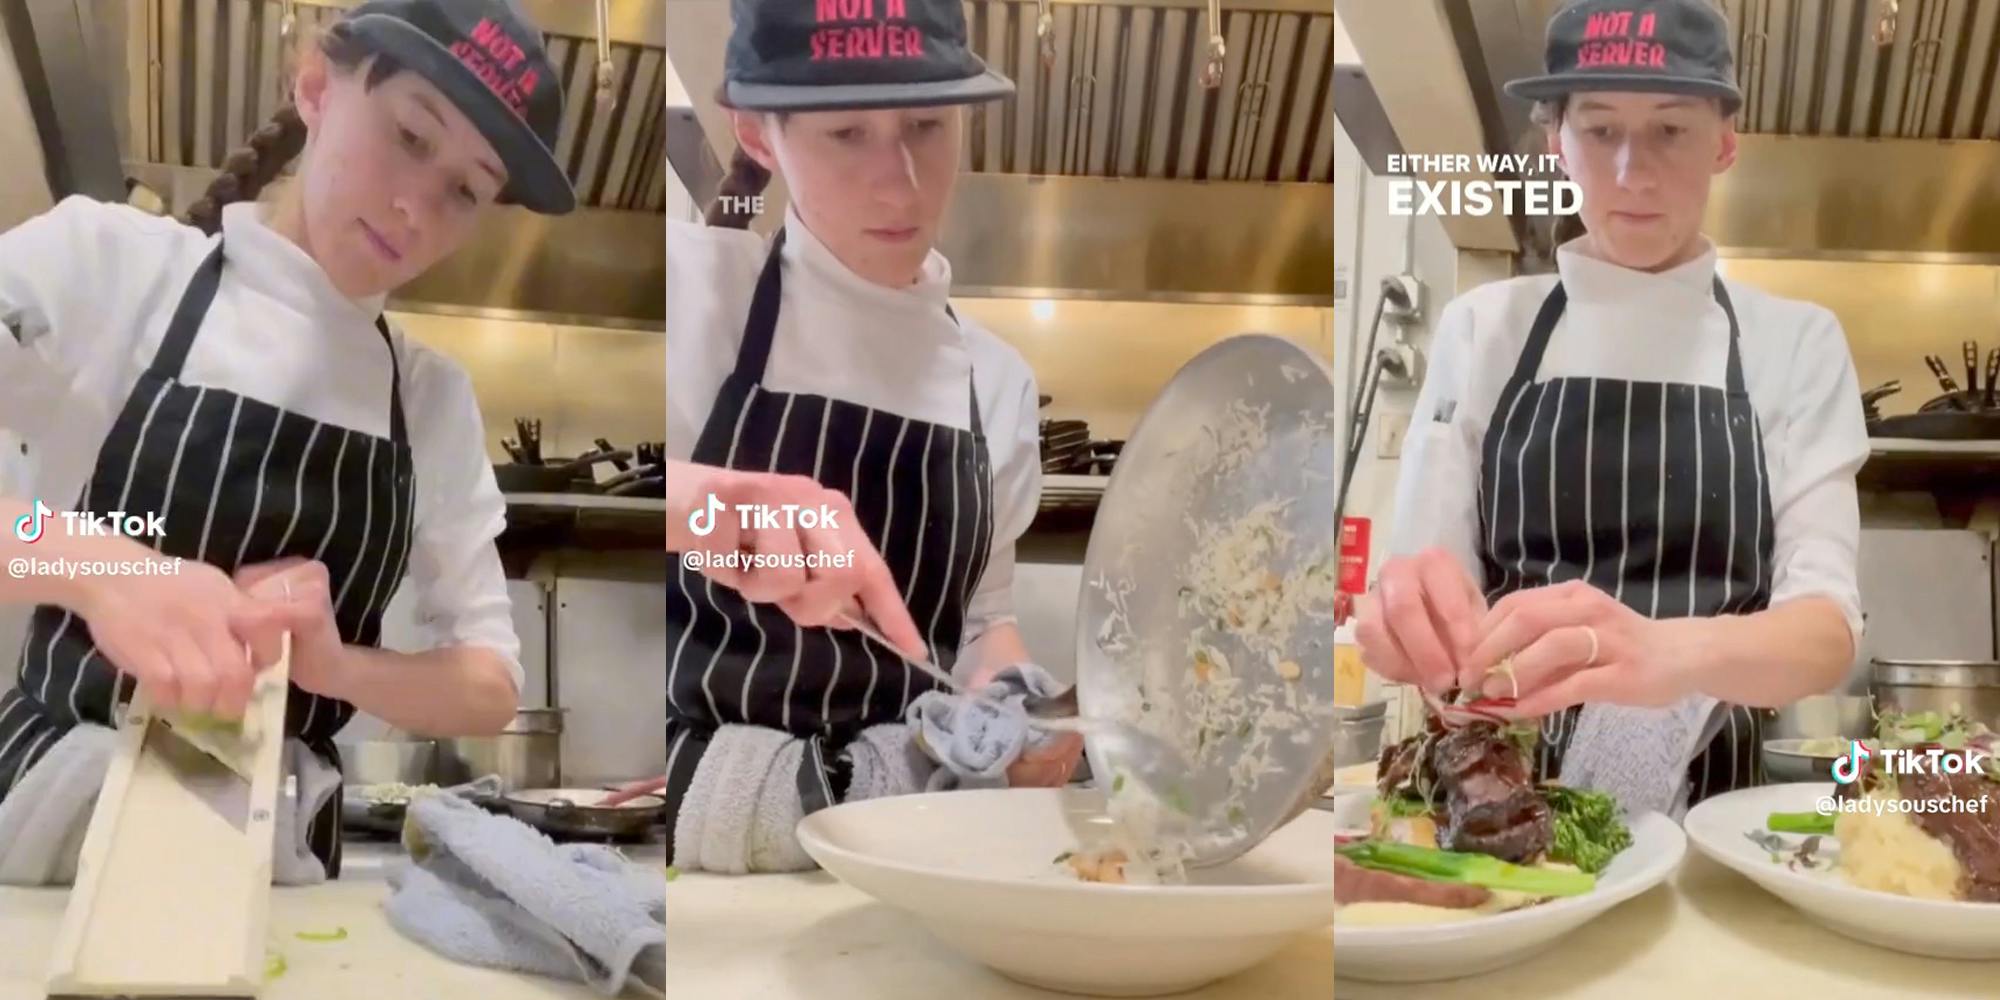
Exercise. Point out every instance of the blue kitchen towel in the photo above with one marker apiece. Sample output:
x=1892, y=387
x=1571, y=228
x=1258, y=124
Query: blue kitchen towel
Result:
x=44, y=818
x=976, y=736
x=488, y=890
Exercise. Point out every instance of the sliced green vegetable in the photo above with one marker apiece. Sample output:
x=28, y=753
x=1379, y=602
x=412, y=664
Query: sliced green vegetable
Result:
x=1800, y=822
x=1118, y=783
x=1588, y=830
x=209, y=723
x=1064, y=856
x=337, y=934
x=1404, y=806
x=274, y=965
x=1236, y=817
x=1525, y=737
x=1466, y=869
x=673, y=873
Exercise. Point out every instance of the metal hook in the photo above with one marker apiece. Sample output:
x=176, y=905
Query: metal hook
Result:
x=1885, y=25
x=607, y=73
x=1045, y=34
x=1218, y=50
x=288, y=56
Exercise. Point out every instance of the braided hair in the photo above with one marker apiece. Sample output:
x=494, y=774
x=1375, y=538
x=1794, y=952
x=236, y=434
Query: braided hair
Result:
x=253, y=166
x=746, y=179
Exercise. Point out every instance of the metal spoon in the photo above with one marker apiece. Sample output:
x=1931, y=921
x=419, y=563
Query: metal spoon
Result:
x=854, y=622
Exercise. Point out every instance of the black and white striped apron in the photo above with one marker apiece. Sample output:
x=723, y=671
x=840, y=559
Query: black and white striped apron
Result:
x=1655, y=493
x=923, y=493
x=236, y=481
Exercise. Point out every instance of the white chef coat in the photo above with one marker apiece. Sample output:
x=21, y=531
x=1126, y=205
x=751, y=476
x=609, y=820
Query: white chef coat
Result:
x=87, y=289
x=842, y=336
x=1661, y=327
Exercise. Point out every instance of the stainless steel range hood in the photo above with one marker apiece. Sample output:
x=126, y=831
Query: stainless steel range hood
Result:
x=1862, y=139
x=1113, y=173
x=181, y=82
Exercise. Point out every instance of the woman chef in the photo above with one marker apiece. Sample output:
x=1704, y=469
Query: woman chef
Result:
x=830, y=354
x=240, y=381
x=1650, y=468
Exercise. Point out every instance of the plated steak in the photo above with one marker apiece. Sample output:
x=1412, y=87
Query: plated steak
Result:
x=1491, y=805
x=1974, y=837
x=1485, y=785
x=1355, y=884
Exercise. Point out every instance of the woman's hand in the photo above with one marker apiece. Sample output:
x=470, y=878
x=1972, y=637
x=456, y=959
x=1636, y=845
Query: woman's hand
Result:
x=1420, y=620
x=176, y=633
x=296, y=596
x=1572, y=643
x=1051, y=766
x=770, y=569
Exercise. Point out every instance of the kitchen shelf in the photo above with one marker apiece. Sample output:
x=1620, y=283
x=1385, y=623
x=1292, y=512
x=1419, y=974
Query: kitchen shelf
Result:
x=585, y=501
x=1068, y=502
x=537, y=522
x=1948, y=467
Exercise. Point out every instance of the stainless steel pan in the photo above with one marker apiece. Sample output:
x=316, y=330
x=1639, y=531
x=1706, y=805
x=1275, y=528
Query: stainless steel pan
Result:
x=573, y=812
x=1185, y=465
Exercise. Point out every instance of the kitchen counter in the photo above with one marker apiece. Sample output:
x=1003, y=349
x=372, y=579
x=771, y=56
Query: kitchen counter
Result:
x=1708, y=931
x=811, y=937
x=373, y=961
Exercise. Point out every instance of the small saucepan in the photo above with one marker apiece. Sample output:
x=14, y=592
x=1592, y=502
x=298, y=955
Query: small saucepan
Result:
x=574, y=812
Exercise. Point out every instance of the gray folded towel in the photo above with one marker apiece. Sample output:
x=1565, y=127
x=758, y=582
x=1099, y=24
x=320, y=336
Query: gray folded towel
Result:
x=488, y=890
x=44, y=818
x=742, y=810
x=1640, y=756
x=977, y=736
x=887, y=761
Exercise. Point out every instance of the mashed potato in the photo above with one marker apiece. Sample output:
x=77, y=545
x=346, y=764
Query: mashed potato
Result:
x=1888, y=852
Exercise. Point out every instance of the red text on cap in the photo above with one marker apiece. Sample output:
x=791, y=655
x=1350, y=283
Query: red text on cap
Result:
x=1613, y=39
x=882, y=40
x=499, y=62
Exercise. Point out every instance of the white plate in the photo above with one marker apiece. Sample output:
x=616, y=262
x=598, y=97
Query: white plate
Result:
x=1431, y=953
x=977, y=869
x=1931, y=927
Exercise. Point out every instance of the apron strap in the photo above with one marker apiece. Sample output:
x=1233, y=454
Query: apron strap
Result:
x=1733, y=383
x=762, y=325
x=972, y=389
x=816, y=790
x=761, y=328
x=1530, y=362
x=399, y=432
x=172, y=355
x=171, y=358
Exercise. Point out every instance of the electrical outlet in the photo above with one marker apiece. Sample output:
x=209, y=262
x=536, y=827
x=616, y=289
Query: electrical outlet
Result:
x=1389, y=437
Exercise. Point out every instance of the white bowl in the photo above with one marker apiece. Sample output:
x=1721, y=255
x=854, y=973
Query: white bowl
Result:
x=1933, y=927
x=1435, y=952
x=977, y=869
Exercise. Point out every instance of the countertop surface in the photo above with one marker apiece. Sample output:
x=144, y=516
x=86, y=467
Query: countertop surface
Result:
x=373, y=961
x=1708, y=932
x=810, y=937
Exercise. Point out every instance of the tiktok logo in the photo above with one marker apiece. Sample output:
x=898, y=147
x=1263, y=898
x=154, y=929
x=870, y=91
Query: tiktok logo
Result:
x=702, y=522
x=28, y=527
x=1847, y=766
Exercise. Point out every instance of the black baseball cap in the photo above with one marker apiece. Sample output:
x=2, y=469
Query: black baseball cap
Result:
x=489, y=61
x=828, y=55
x=1647, y=46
